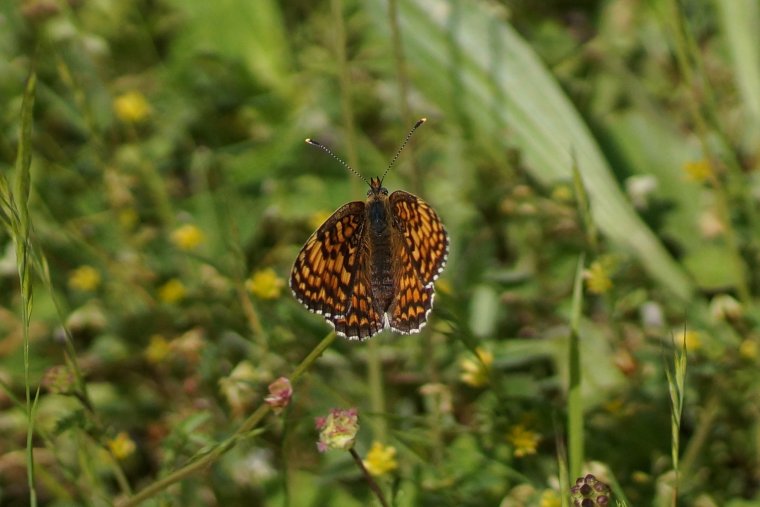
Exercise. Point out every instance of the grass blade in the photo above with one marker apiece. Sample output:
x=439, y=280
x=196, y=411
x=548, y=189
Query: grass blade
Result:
x=23, y=256
x=574, y=398
x=676, y=386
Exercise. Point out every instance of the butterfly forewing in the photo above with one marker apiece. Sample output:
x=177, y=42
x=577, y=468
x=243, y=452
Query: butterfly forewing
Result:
x=326, y=269
x=424, y=236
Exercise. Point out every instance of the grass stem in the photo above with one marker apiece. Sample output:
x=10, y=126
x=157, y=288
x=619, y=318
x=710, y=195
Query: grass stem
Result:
x=372, y=484
x=574, y=399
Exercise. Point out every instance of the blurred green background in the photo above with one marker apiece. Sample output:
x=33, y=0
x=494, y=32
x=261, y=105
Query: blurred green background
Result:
x=171, y=191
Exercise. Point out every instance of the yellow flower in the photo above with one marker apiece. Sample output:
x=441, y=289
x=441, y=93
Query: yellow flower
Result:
x=748, y=349
x=699, y=171
x=692, y=339
x=549, y=498
x=121, y=446
x=265, y=284
x=318, y=218
x=172, y=291
x=476, y=372
x=562, y=193
x=84, y=278
x=380, y=459
x=614, y=406
x=187, y=237
x=523, y=440
x=128, y=218
x=598, y=278
x=131, y=107
x=157, y=349
x=640, y=477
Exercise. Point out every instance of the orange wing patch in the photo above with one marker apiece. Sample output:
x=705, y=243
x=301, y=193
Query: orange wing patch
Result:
x=361, y=320
x=424, y=236
x=409, y=311
x=325, y=271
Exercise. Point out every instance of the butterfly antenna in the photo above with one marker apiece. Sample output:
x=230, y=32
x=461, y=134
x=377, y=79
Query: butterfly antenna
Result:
x=406, y=141
x=333, y=155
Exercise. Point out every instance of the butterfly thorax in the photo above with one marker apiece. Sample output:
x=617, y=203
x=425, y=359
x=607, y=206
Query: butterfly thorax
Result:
x=379, y=244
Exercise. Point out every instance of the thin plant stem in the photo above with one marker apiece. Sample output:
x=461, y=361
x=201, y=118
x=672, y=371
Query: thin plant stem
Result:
x=584, y=207
x=70, y=353
x=564, y=478
x=703, y=429
x=433, y=401
x=238, y=272
x=574, y=399
x=22, y=233
x=376, y=394
x=120, y=476
x=372, y=484
x=222, y=447
x=250, y=313
x=676, y=382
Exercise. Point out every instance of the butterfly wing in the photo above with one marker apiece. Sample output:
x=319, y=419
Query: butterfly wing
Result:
x=330, y=275
x=326, y=269
x=420, y=249
x=413, y=301
x=424, y=236
x=362, y=319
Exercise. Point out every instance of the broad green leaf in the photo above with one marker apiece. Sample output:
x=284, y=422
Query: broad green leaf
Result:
x=470, y=62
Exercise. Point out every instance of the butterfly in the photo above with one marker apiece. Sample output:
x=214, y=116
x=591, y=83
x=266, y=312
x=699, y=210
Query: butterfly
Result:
x=372, y=265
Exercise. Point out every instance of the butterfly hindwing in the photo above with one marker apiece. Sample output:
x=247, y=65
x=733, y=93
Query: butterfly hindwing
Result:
x=361, y=320
x=413, y=301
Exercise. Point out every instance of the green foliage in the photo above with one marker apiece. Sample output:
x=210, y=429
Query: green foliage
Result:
x=596, y=167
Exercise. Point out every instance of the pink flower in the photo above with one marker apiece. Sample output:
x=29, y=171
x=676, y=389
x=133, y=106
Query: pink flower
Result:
x=338, y=430
x=280, y=392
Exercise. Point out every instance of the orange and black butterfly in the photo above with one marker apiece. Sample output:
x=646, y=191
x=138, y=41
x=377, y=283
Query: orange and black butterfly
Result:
x=372, y=265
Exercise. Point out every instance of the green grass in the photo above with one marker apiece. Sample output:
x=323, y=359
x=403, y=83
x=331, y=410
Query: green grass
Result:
x=596, y=169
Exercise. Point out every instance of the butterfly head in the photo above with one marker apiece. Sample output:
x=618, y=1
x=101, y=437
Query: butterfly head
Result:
x=376, y=188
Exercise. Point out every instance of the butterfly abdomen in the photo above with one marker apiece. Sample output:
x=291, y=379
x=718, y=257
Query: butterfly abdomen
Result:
x=381, y=253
